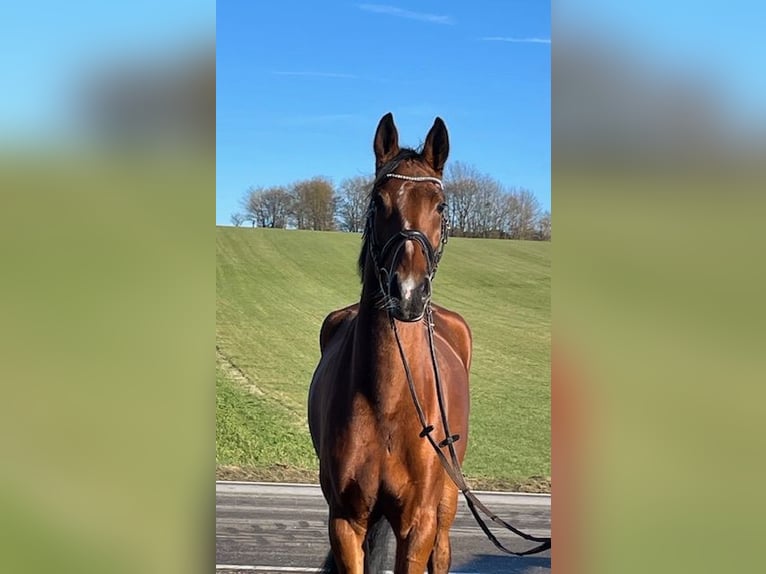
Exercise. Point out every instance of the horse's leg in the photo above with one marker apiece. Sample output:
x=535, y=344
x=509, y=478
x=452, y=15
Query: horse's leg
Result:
x=441, y=557
x=346, y=539
x=415, y=544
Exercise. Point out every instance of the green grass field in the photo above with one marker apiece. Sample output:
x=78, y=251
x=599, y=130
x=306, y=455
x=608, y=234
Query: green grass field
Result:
x=274, y=288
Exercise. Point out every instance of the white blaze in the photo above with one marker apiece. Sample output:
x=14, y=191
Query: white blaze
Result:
x=408, y=287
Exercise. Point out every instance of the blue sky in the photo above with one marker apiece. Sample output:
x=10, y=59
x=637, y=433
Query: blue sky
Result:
x=302, y=85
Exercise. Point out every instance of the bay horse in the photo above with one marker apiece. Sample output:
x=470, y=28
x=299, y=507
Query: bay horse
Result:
x=375, y=468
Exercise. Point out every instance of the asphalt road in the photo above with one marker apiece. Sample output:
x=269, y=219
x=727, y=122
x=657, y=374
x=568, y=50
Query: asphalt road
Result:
x=282, y=529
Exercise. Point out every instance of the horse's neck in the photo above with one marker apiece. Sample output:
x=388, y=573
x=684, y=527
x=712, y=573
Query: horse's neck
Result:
x=377, y=363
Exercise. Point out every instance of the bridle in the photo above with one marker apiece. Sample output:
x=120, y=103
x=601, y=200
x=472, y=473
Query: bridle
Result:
x=395, y=243
x=451, y=465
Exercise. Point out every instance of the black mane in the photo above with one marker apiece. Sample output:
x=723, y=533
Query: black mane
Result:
x=388, y=167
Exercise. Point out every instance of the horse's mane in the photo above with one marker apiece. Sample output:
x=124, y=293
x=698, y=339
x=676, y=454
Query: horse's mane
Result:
x=388, y=167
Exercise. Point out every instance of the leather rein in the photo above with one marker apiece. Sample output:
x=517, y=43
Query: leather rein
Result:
x=451, y=465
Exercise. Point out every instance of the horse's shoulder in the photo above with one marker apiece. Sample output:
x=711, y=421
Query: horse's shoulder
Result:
x=333, y=321
x=455, y=331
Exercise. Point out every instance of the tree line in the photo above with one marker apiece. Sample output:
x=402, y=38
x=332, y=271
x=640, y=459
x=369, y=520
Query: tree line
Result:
x=479, y=206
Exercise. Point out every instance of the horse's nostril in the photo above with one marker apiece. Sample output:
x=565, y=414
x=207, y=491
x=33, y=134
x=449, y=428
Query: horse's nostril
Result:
x=393, y=287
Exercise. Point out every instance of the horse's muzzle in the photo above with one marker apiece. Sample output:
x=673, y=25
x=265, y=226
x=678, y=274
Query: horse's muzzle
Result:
x=410, y=297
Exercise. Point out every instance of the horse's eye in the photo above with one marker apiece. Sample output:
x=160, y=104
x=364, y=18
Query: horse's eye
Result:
x=441, y=207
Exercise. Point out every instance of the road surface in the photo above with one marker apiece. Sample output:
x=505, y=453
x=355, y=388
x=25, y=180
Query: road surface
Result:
x=274, y=528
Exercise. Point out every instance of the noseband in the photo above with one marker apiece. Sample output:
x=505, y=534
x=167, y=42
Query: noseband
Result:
x=394, y=245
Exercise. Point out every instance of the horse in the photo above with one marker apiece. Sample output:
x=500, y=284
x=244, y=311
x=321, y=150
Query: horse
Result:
x=374, y=396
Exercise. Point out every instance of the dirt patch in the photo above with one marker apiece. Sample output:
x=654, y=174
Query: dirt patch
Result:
x=286, y=473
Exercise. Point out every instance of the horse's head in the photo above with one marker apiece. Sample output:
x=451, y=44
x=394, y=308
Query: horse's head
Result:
x=406, y=223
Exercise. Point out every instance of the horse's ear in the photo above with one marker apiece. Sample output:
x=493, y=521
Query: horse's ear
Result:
x=386, y=144
x=436, y=148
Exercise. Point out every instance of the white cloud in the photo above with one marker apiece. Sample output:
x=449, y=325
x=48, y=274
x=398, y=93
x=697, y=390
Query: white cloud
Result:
x=517, y=40
x=401, y=13
x=315, y=74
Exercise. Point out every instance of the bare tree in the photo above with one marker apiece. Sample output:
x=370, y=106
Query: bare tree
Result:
x=525, y=211
x=478, y=206
x=267, y=207
x=461, y=189
x=237, y=219
x=253, y=205
x=512, y=214
x=277, y=201
x=486, y=217
x=313, y=204
x=543, y=227
x=353, y=200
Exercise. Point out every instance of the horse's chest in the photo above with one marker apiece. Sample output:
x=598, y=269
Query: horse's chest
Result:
x=385, y=446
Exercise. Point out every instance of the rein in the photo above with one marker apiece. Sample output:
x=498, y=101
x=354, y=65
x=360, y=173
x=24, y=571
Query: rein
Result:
x=452, y=465
x=453, y=468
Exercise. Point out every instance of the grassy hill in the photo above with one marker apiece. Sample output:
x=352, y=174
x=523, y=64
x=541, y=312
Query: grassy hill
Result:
x=274, y=288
